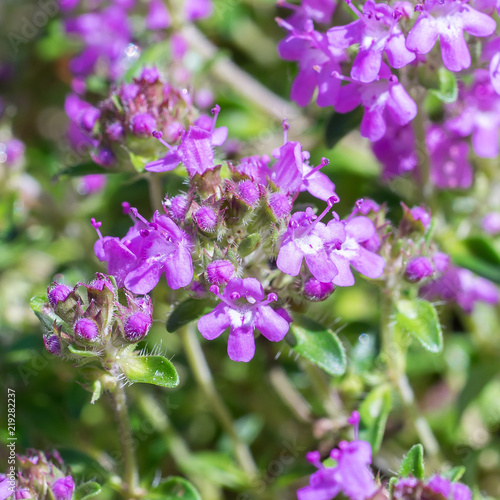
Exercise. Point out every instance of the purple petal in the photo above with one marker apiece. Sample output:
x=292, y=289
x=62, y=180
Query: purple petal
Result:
x=343, y=37
x=197, y=9
x=158, y=16
x=397, y=53
x=348, y=99
x=495, y=72
x=328, y=87
x=219, y=136
x=195, y=151
x=485, y=141
x=303, y=86
x=165, y=164
x=179, y=268
x=373, y=124
x=423, y=36
x=270, y=324
x=400, y=105
x=477, y=23
x=360, y=228
x=214, y=323
x=345, y=276
x=119, y=258
x=319, y=185
x=321, y=267
x=454, y=50
x=366, y=66
x=289, y=259
x=144, y=277
x=368, y=263
x=241, y=344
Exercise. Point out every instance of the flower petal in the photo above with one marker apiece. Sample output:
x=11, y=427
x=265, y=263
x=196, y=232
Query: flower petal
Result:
x=241, y=344
x=273, y=326
x=214, y=323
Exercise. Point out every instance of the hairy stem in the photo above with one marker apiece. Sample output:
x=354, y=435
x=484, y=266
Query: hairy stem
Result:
x=394, y=350
x=203, y=376
x=131, y=474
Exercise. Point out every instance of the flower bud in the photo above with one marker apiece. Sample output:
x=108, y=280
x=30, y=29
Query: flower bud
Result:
x=52, y=344
x=248, y=192
x=63, y=488
x=150, y=75
x=86, y=330
x=280, y=205
x=143, y=124
x=137, y=326
x=88, y=118
x=220, y=272
x=178, y=207
x=58, y=293
x=441, y=262
x=422, y=215
x=205, y=218
x=115, y=131
x=316, y=290
x=418, y=269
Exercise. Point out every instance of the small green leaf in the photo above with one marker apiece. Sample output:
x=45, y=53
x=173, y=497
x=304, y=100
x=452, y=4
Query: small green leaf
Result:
x=96, y=391
x=483, y=249
x=448, y=89
x=419, y=318
x=413, y=463
x=340, y=124
x=87, y=490
x=176, y=488
x=156, y=370
x=249, y=244
x=454, y=474
x=39, y=305
x=319, y=345
x=188, y=311
x=138, y=162
x=374, y=412
x=80, y=352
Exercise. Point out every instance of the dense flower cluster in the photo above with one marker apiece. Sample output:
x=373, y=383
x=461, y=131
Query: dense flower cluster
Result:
x=402, y=36
x=40, y=475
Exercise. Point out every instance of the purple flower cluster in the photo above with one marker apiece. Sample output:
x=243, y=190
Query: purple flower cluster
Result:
x=40, y=475
x=436, y=486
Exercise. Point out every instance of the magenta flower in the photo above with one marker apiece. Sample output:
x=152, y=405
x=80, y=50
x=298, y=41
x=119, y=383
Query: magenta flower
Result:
x=351, y=252
x=195, y=150
x=479, y=116
x=382, y=99
x=448, y=19
x=491, y=223
x=319, y=11
x=243, y=309
x=317, y=60
x=351, y=475
x=158, y=16
x=147, y=251
x=377, y=31
x=463, y=287
x=450, y=167
x=413, y=488
x=308, y=238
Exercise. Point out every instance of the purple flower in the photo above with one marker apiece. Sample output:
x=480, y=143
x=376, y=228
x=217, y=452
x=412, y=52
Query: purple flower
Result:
x=52, y=344
x=320, y=11
x=205, y=218
x=316, y=290
x=197, y=9
x=352, y=251
x=243, y=309
x=195, y=150
x=63, y=488
x=351, y=475
x=308, y=238
x=143, y=124
x=448, y=19
x=317, y=60
x=86, y=330
x=14, y=152
x=478, y=115
x=147, y=251
x=396, y=150
x=383, y=99
x=292, y=173
x=461, y=286
x=418, y=269
x=219, y=272
x=491, y=223
x=450, y=168
x=413, y=488
x=377, y=31
x=158, y=17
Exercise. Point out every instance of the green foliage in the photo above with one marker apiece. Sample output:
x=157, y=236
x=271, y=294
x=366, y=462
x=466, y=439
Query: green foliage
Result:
x=319, y=345
x=87, y=490
x=413, y=463
x=374, y=411
x=188, y=311
x=156, y=370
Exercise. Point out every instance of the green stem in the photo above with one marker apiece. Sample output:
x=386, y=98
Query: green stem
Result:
x=155, y=191
x=395, y=356
x=203, y=376
x=131, y=474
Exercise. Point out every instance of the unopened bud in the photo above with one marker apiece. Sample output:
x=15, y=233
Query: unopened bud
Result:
x=280, y=205
x=58, y=293
x=86, y=330
x=248, y=192
x=418, y=269
x=136, y=327
x=206, y=218
x=52, y=344
x=316, y=290
x=220, y=272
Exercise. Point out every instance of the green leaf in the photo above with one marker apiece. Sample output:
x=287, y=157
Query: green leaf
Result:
x=374, y=412
x=80, y=352
x=319, y=345
x=249, y=244
x=87, y=490
x=156, y=370
x=340, y=124
x=482, y=248
x=419, y=319
x=413, y=463
x=448, y=89
x=454, y=474
x=478, y=266
x=176, y=488
x=138, y=162
x=188, y=311
x=39, y=305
